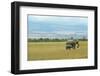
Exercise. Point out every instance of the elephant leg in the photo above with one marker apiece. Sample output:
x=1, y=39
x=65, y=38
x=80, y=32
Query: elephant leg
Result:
x=77, y=45
x=73, y=46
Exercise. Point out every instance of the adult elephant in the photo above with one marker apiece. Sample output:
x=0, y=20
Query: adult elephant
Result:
x=72, y=44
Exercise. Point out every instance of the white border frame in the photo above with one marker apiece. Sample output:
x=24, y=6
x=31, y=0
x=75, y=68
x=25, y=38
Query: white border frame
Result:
x=25, y=65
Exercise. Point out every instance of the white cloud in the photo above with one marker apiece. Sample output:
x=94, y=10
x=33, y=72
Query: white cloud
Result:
x=39, y=18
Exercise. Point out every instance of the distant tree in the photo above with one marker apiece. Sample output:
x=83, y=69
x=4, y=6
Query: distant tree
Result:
x=84, y=38
x=46, y=40
x=71, y=38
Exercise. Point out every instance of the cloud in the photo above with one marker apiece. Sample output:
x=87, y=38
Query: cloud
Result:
x=60, y=24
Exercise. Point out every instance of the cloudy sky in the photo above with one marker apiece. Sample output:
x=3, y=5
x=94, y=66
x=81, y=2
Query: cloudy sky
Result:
x=56, y=24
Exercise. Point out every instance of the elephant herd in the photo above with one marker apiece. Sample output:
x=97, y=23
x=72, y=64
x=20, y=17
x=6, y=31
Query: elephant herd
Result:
x=72, y=44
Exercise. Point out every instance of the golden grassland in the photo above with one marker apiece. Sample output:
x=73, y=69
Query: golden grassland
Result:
x=56, y=50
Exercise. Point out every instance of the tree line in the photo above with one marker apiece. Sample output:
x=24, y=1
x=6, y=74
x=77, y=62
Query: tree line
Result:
x=51, y=40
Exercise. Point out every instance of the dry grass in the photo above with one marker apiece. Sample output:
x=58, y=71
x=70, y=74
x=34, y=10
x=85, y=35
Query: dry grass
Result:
x=55, y=50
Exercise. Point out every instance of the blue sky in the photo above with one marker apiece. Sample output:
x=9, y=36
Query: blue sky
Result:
x=55, y=24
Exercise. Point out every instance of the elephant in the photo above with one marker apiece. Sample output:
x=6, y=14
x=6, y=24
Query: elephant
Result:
x=72, y=44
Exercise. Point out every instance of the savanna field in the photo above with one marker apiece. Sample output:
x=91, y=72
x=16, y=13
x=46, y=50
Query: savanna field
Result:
x=56, y=50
